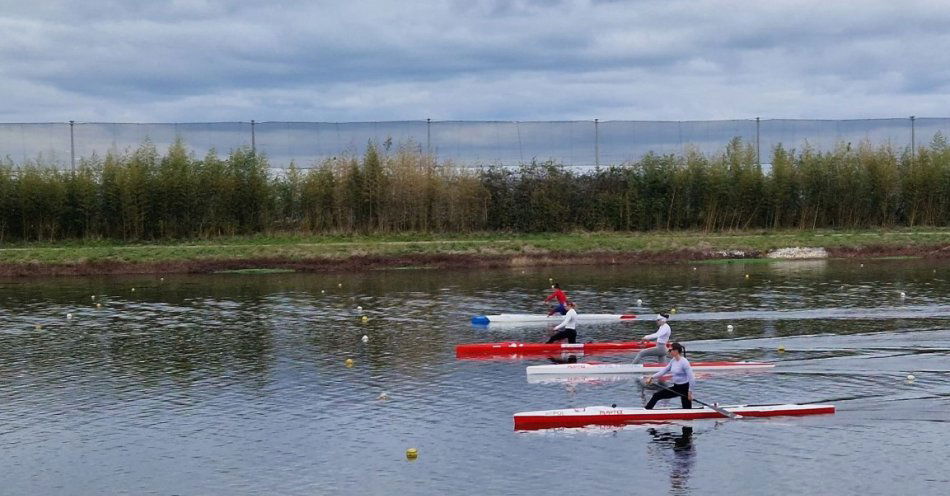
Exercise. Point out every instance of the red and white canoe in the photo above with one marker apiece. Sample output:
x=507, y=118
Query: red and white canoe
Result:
x=606, y=415
x=519, y=348
x=527, y=317
x=593, y=368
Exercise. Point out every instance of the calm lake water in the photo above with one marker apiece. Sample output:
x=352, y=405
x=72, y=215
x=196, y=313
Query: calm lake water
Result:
x=236, y=384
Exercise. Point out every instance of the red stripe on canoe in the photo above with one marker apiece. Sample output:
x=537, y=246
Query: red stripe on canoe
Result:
x=515, y=347
x=524, y=422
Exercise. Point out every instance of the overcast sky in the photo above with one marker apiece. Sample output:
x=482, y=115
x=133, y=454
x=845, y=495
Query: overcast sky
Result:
x=356, y=60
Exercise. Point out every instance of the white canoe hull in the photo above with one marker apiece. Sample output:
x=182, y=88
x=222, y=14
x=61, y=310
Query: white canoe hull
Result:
x=639, y=368
x=527, y=317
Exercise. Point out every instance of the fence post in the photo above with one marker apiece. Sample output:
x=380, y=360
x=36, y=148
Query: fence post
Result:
x=758, y=155
x=253, y=138
x=428, y=136
x=597, y=142
x=913, y=138
x=72, y=146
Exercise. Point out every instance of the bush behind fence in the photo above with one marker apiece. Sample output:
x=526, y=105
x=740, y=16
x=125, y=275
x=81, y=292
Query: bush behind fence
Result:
x=145, y=195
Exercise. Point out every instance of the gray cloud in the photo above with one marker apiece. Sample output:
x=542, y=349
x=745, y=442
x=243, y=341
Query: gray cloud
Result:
x=478, y=59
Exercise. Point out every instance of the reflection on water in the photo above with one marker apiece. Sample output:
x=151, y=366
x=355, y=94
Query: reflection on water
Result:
x=238, y=384
x=674, y=449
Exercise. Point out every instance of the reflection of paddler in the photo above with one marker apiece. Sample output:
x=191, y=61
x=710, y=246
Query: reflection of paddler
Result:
x=561, y=298
x=662, y=336
x=567, y=329
x=683, y=379
x=683, y=455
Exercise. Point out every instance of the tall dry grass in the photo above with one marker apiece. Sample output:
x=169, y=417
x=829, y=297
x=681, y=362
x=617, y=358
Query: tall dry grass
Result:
x=143, y=195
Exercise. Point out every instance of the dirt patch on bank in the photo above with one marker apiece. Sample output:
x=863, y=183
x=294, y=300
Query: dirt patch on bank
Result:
x=436, y=261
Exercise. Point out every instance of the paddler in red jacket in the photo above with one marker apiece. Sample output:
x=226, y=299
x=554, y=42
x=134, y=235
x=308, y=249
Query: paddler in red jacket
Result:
x=561, y=307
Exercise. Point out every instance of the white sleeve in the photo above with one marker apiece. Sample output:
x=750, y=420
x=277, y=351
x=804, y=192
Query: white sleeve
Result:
x=567, y=318
x=654, y=335
x=690, y=377
x=666, y=370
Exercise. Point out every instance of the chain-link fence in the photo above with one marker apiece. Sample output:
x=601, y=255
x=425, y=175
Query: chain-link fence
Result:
x=470, y=143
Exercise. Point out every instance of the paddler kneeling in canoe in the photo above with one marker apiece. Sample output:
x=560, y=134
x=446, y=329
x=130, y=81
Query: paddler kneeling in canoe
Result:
x=568, y=327
x=561, y=298
x=662, y=335
x=683, y=379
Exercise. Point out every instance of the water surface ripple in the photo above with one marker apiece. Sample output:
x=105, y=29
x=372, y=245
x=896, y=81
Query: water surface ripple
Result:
x=236, y=384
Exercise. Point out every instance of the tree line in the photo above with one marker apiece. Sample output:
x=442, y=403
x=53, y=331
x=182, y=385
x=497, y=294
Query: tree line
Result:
x=143, y=195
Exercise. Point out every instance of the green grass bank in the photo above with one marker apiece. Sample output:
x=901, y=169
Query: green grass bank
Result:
x=348, y=253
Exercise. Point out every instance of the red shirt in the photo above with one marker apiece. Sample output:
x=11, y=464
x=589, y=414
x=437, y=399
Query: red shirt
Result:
x=561, y=297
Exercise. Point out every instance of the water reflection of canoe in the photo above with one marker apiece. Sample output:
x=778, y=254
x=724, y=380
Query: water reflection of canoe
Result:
x=638, y=368
x=519, y=348
x=606, y=415
x=527, y=317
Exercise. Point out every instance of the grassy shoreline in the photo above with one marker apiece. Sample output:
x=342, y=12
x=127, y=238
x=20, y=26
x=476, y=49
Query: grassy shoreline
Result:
x=348, y=253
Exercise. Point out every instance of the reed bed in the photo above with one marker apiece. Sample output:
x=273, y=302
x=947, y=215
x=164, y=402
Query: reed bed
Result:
x=143, y=196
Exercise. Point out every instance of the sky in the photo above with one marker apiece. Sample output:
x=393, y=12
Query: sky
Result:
x=375, y=60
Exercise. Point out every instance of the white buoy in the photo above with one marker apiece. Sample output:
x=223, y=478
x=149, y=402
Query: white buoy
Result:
x=862, y=265
x=339, y=285
x=910, y=377
x=133, y=290
x=365, y=338
x=322, y=291
x=903, y=294
x=93, y=297
x=382, y=396
x=69, y=315
x=730, y=328
x=639, y=302
x=359, y=308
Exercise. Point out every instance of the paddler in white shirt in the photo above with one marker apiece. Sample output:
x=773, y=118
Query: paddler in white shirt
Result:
x=662, y=336
x=568, y=327
x=683, y=379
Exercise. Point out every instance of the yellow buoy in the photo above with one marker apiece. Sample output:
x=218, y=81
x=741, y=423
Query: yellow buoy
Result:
x=39, y=326
x=781, y=349
x=747, y=276
x=349, y=362
x=133, y=290
x=339, y=285
x=673, y=310
x=412, y=453
x=364, y=318
x=98, y=305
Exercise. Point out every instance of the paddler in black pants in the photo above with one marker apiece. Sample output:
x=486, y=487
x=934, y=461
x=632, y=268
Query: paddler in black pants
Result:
x=683, y=379
x=568, y=327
